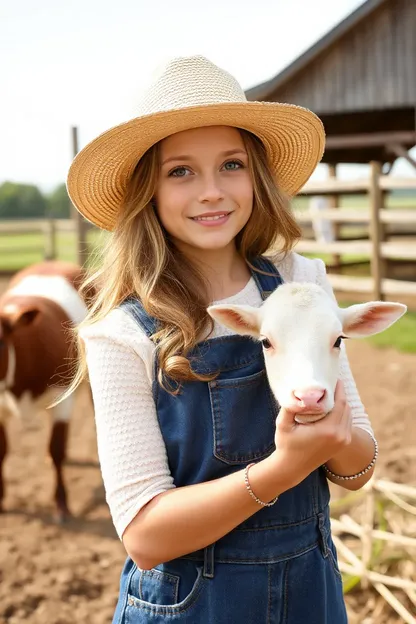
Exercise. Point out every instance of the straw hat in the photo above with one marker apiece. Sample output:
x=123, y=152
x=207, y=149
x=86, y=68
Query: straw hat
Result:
x=191, y=92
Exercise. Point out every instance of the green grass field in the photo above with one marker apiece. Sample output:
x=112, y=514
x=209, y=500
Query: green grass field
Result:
x=19, y=250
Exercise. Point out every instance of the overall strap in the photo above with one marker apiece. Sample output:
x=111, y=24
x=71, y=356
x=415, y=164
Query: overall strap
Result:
x=134, y=308
x=266, y=283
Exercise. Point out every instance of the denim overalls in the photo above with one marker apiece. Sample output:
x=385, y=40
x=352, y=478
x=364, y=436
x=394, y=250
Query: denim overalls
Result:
x=280, y=565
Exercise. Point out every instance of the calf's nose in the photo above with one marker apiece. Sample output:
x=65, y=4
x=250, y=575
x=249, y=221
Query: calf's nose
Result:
x=309, y=397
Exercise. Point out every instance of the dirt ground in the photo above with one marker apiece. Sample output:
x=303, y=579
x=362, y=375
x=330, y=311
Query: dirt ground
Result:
x=51, y=574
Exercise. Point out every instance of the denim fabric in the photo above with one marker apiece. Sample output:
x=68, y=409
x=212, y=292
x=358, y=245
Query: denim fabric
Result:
x=277, y=567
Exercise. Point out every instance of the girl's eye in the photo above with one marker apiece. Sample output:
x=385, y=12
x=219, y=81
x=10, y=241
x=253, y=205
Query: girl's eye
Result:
x=338, y=342
x=233, y=165
x=178, y=172
x=266, y=343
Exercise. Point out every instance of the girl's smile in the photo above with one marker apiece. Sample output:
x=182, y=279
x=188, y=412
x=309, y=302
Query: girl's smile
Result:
x=212, y=219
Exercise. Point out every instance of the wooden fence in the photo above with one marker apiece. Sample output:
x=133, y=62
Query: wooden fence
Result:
x=377, y=248
x=44, y=245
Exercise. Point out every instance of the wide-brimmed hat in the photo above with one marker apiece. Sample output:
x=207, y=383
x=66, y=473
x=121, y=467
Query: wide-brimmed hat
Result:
x=191, y=92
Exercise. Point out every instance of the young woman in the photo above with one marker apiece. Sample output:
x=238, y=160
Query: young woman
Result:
x=224, y=520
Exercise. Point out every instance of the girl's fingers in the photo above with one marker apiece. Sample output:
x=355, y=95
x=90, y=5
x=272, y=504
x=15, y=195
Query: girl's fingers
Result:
x=286, y=420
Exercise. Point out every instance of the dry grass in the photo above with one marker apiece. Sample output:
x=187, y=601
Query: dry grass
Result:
x=375, y=534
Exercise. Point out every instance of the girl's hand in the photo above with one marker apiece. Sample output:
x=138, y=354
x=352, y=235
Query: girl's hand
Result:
x=301, y=448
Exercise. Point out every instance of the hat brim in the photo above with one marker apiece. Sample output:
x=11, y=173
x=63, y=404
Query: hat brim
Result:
x=294, y=139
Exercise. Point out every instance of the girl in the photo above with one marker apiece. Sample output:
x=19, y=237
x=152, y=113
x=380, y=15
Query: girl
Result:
x=222, y=522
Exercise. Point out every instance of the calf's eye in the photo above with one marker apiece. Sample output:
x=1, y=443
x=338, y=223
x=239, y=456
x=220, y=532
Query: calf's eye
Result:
x=266, y=343
x=338, y=342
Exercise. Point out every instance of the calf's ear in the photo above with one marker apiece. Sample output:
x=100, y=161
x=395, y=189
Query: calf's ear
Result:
x=366, y=319
x=242, y=319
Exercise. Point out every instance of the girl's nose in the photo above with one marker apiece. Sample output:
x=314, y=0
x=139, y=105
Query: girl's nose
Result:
x=211, y=191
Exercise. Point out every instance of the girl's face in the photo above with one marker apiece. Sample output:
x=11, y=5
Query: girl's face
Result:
x=204, y=195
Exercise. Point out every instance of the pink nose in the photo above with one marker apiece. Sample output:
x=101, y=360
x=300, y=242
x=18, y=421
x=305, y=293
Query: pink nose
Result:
x=309, y=397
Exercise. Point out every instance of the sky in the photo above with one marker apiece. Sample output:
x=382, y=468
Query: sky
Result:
x=84, y=63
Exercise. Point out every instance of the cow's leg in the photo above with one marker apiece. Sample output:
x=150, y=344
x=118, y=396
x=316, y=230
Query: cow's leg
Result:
x=57, y=449
x=3, y=452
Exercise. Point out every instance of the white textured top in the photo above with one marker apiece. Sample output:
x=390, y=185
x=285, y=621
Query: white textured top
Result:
x=131, y=449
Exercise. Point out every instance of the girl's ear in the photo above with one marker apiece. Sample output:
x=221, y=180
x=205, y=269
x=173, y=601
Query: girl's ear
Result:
x=242, y=319
x=366, y=319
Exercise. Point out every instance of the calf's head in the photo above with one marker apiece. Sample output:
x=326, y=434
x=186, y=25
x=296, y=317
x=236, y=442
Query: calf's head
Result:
x=301, y=329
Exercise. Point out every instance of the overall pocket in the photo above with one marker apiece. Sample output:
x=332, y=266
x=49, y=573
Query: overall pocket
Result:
x=244, y=412
x=158, y=592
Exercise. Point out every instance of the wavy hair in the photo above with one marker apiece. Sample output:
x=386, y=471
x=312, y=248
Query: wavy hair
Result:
x=140, y=260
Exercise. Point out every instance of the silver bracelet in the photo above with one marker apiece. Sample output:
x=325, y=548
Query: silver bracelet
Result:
x=250, y=491
x=359, y=474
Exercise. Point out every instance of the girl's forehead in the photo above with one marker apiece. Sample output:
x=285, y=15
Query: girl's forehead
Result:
x=224, y=137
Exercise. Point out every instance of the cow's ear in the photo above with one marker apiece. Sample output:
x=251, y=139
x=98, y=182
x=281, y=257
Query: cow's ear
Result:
x=22, y=318
x=366, y=319
x=242, y=319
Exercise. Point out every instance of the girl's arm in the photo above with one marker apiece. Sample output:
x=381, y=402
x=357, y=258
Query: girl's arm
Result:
x=190, y=518
x=186, y=519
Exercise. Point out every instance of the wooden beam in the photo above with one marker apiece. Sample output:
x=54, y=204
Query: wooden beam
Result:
x=376, y=203
x=333, y=203
x=390, y=287
x=401, y=152
x=400, y=250
x=353, y=215
x=81, y=225
x=370, y=139
x=389, y=183
x=334, y=186
x=356, y=248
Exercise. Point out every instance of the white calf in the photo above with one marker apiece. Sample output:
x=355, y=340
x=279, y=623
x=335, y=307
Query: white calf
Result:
x=301, y=329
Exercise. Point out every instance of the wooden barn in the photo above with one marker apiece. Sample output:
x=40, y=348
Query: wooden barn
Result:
x=360, y=79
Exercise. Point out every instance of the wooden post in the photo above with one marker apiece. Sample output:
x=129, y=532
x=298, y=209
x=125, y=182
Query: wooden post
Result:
x=80, y=224
x=50, y=233
x=333, y=201
x=376, y=202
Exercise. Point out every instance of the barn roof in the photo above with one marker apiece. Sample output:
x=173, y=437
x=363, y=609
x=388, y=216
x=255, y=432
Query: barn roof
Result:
x=360, y=79
x=265, y=89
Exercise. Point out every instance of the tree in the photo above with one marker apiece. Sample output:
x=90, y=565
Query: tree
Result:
x=58, y=203
x=21, y=201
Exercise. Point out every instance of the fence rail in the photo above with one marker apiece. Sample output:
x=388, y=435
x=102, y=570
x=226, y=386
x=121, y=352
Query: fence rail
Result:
x=25, y=241
x=378, y=249
x=356, y=215
x=334, y=186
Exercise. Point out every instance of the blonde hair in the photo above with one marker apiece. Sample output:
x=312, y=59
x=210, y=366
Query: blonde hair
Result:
x=140, y=260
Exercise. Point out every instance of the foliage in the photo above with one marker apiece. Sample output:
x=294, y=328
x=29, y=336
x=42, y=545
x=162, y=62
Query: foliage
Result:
x=26, y=201
x=21, y=201
x=59, y=203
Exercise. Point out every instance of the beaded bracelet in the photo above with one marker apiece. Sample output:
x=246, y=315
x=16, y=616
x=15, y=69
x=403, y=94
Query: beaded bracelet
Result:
x=250, y=491
x=359, y=474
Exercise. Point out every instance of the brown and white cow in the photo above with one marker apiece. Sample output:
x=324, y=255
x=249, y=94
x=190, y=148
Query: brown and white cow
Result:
x=37, y=354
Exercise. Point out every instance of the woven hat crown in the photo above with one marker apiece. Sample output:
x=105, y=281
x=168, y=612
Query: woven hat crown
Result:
x=190, y=81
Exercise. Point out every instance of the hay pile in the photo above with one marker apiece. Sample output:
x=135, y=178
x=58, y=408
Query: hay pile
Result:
x=374, y=530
